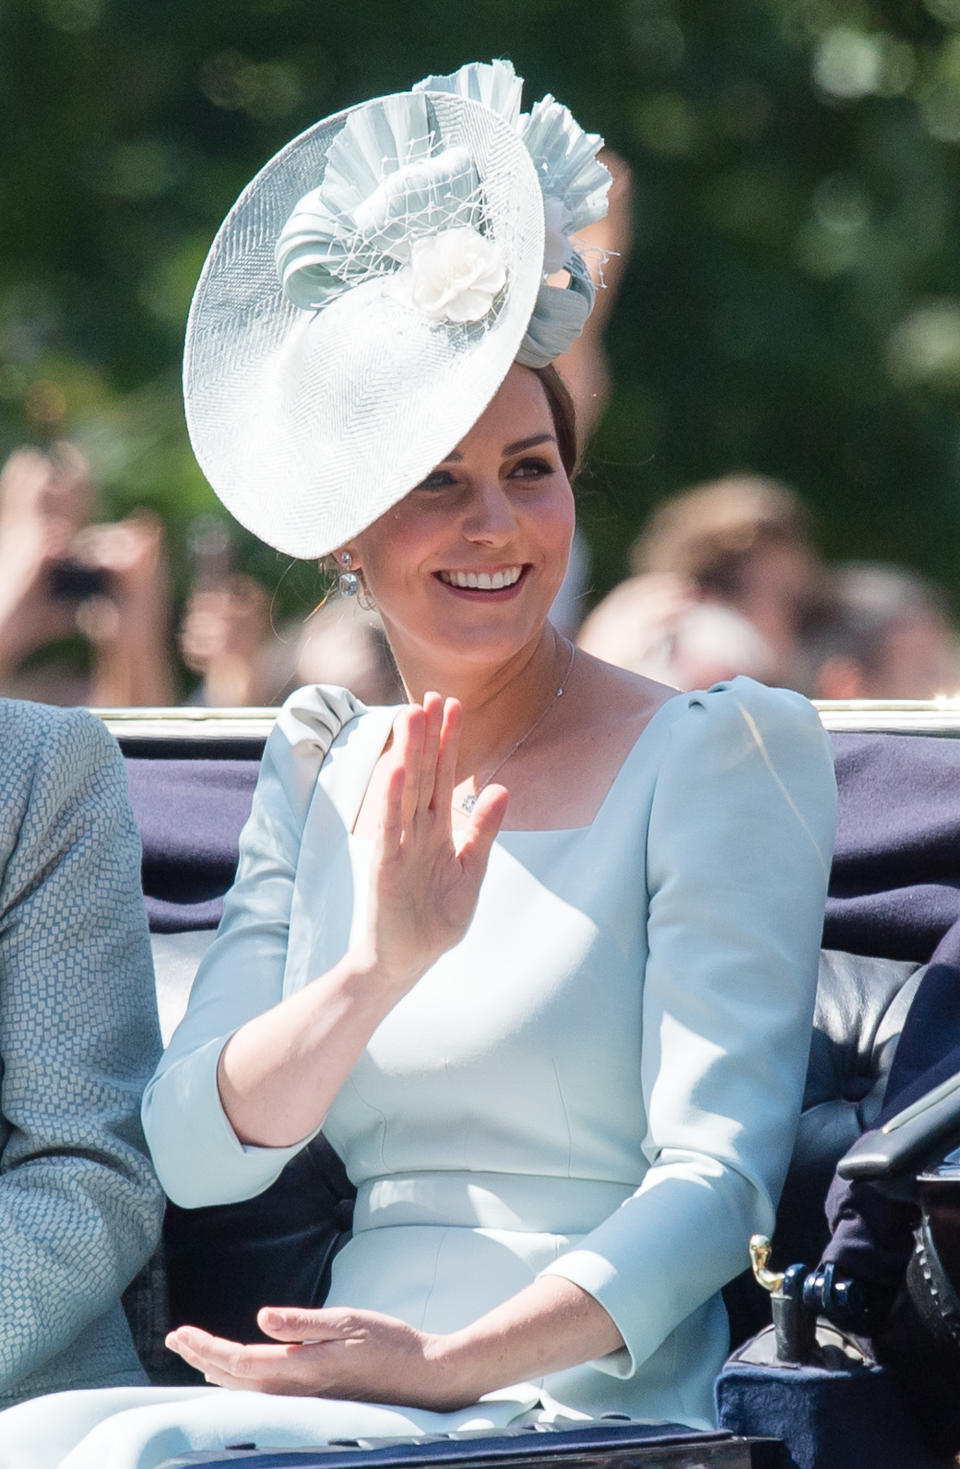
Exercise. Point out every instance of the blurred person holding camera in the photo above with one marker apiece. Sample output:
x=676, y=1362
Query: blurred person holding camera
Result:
x=726, y=573
x=61, y=576
x=227, y=636
x=224, y=636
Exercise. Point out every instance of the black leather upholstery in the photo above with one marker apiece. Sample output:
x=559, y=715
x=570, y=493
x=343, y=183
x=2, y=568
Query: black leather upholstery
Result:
x=860, y=1009
x=861, y=1005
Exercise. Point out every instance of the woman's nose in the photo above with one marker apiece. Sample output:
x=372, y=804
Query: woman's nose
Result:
x=490, y=515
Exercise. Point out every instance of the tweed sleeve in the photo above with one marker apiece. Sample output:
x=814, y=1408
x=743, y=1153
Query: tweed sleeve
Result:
x=80, y=1207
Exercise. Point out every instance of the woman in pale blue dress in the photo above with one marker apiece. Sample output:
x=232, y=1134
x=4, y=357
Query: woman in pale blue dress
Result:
x=560, y=1044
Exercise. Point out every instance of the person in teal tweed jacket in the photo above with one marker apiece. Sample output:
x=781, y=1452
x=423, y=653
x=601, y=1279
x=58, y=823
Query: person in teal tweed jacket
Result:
x=80, y=1208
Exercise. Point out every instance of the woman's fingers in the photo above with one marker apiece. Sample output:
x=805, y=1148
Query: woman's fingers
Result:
x=236, y=1359
x=412, y=755
x=424, y=889
x=390, y=832
x=446, y=772
x=485, y=822
x=300, y=1324
x=274, y=1369
x=336, y=1352
x=425, y=741
x=408, y=734
x=216, y=1358
x=433, y=706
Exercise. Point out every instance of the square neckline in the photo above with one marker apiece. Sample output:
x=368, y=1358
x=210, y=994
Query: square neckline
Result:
x=527, y=831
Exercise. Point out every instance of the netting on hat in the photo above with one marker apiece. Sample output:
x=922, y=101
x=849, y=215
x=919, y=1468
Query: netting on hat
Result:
x=396, y=199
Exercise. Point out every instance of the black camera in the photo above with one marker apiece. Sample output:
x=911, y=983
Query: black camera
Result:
x=71, y=581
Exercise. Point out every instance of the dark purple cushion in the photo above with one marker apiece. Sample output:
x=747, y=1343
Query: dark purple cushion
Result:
x=190, y=813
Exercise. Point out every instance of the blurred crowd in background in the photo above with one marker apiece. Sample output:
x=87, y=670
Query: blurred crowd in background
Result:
x=727, y=578
x=789, y=314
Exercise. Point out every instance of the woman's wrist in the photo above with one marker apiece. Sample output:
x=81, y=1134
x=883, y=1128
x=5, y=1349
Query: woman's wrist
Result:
x=462, y=1367
x=395, y=978
x=549, y=1326
x=278, y=1074
x=461, y=1372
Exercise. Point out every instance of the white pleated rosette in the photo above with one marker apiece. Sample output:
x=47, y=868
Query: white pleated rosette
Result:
x=574, y=185
x=366, y=296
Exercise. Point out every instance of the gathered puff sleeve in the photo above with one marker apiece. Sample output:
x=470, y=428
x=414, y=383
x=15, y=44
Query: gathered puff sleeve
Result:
x=740, y=838
x=196, y=1152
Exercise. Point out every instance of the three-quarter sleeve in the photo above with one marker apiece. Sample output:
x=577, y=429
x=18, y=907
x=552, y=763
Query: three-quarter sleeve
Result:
x=198, y=1156
x=738, y=855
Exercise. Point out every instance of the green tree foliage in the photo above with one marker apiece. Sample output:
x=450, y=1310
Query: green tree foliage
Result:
x=793, y=298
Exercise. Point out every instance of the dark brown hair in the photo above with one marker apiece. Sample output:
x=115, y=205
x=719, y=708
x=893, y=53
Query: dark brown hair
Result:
x=564, y=416
x=709, y=533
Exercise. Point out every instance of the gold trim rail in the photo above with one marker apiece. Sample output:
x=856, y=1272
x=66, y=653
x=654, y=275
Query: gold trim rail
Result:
x=891, y=716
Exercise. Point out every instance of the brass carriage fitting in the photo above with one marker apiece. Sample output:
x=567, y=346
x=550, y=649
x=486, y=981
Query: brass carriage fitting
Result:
x=760, y=1251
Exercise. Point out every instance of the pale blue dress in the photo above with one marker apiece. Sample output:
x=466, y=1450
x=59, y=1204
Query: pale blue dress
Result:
x=601, y=1081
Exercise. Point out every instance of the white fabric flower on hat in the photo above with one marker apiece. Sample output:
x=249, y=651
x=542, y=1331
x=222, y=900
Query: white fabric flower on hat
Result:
x=456, y=274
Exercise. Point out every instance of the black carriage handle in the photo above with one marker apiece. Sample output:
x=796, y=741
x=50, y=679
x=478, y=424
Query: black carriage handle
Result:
x=905, y=1144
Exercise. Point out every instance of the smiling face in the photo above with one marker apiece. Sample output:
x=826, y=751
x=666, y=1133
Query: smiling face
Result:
x=466, y=567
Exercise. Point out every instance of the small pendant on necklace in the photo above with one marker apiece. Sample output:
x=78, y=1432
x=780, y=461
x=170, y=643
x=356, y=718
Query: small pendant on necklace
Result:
x=468, y=803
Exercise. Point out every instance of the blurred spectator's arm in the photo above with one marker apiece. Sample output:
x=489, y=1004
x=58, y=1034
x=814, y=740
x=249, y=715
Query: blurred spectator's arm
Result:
x=129, y=626
x=224, y=637
x=39, y=517
x=635, y=625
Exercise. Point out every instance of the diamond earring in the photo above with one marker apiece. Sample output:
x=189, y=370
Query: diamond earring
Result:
x=348, y=582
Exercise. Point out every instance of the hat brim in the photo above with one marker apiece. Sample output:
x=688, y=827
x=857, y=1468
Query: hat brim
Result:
x=310, y=425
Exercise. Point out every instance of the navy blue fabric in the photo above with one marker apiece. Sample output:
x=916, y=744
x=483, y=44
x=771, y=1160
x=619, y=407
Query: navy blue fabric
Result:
x=624, y=1443
x=895, y=884
x=895, y=891
x=829, y=1419
x=190, y=813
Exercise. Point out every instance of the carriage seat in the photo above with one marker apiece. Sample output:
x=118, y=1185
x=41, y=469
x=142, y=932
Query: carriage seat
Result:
x=215, y=1265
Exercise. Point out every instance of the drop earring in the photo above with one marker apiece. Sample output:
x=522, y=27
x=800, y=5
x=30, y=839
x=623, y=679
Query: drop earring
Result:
x=348, y=581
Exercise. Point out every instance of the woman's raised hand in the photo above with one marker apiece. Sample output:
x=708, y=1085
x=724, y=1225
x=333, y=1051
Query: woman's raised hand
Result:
x=279, y=1073
x=424, y=887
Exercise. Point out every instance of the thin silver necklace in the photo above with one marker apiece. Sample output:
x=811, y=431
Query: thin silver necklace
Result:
x=468, y=802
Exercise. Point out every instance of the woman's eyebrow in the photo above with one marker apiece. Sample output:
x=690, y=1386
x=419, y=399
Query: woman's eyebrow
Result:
x=516, y=448
x=531, y=443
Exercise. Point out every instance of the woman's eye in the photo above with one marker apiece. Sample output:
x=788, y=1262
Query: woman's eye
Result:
x=531, y=469
x=440, y=479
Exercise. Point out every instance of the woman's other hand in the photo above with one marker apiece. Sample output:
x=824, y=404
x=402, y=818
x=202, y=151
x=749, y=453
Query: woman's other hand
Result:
x=335, y=1353
x=365, y=1356
x=424, y=886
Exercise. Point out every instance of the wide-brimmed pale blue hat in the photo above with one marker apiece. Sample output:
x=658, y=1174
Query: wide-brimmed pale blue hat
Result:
x=370, y=289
